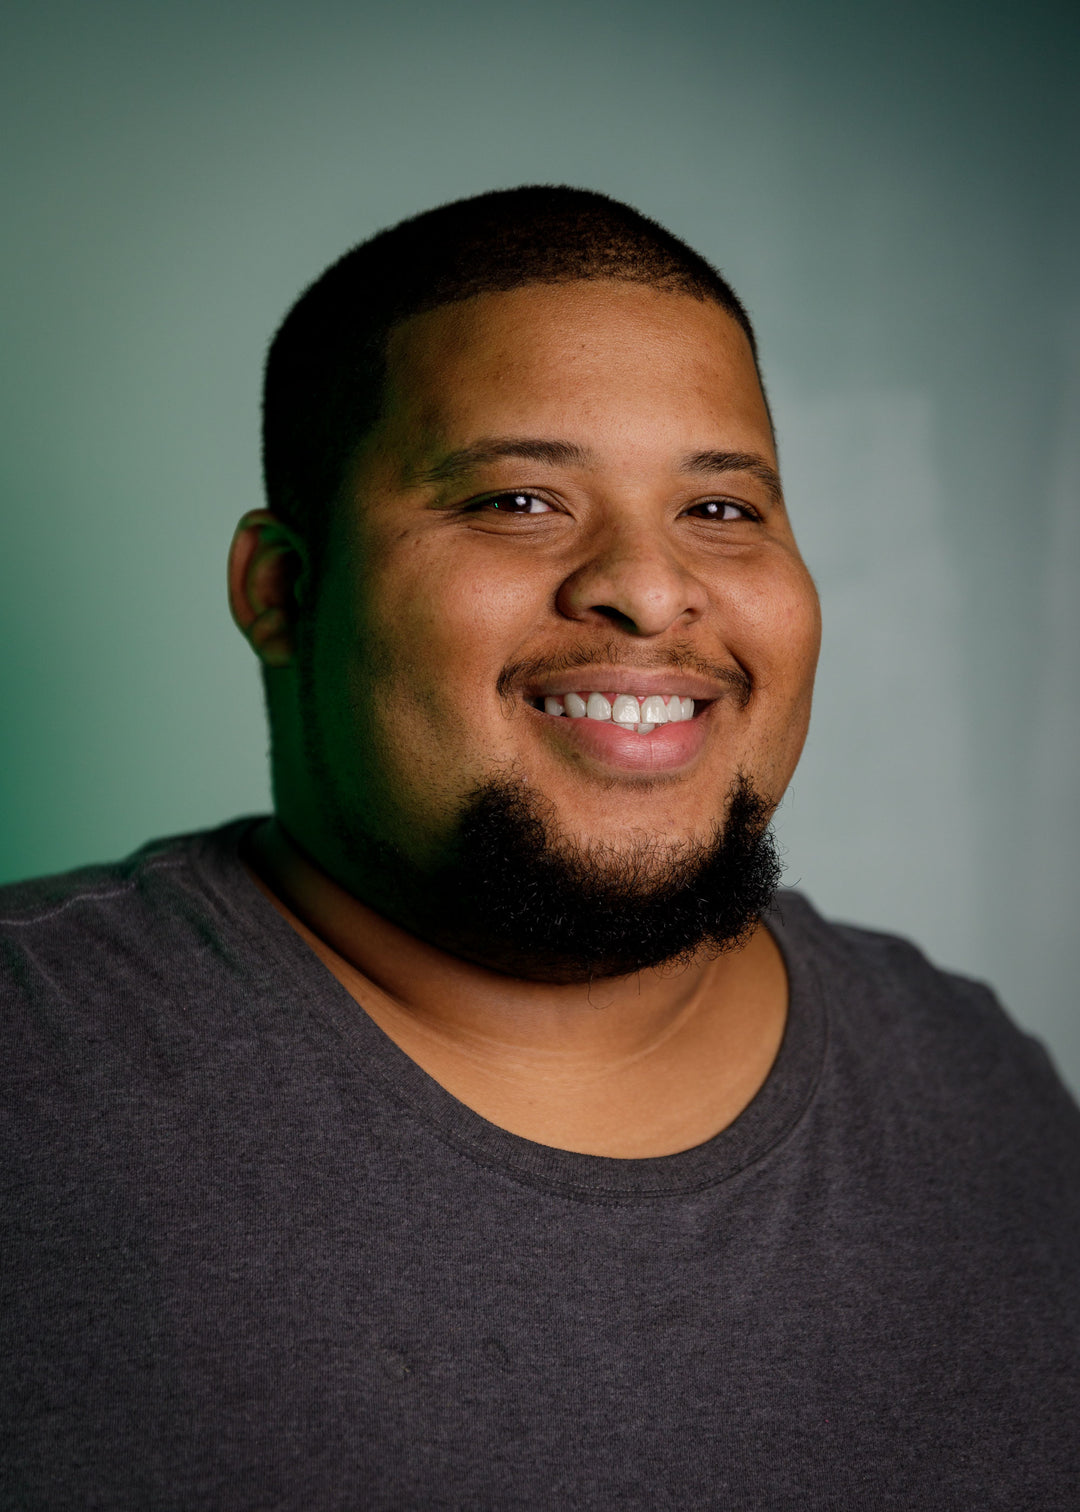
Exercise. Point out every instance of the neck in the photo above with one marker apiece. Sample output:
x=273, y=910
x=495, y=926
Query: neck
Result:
x=630, y=1067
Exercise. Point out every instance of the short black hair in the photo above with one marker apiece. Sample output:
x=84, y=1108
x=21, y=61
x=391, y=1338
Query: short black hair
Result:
x=325, y=368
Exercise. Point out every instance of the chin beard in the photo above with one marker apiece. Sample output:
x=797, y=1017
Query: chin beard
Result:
x=512, y=897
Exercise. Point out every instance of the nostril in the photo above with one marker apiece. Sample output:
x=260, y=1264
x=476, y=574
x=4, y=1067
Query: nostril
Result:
x=618, y=618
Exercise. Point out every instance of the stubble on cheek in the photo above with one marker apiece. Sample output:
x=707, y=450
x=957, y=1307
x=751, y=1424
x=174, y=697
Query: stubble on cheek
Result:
x=395, y=755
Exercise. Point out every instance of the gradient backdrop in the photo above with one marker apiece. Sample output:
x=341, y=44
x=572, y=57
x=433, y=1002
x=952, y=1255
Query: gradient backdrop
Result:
x=890, y=188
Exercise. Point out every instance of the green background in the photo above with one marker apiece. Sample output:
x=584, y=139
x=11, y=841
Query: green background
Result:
x=891, y=189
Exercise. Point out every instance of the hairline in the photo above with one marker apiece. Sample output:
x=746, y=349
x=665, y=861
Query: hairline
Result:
x=381, y=343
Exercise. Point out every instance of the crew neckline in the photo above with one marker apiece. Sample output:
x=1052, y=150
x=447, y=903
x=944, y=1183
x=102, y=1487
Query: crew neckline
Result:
x=764, y=1123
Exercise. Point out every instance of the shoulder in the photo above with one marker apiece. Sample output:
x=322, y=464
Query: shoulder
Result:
x=78, y=934
x=887, y=979
x=935, y=1042
x=118, y=982
x=48, y=905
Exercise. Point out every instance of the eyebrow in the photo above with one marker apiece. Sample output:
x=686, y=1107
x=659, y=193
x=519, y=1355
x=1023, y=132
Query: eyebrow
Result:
x=733, y=461
x=496, y=448
x=569, y=454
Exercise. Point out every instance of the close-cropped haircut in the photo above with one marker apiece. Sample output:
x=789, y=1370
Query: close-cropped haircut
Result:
x=326, y=366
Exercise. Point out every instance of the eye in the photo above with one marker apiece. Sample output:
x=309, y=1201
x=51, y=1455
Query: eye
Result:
x=721, y=509
x=515, y=504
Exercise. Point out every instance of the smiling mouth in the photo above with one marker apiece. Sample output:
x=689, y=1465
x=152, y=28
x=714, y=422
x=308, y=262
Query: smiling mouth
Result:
x=638, y=715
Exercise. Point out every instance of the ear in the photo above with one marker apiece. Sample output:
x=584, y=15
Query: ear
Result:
x=267, y=570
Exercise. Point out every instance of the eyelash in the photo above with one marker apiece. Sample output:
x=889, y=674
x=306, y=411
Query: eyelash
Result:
x=745, y=510
x=492, y=502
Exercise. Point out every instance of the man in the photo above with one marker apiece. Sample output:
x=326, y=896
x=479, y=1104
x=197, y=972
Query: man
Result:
x=480, y=1131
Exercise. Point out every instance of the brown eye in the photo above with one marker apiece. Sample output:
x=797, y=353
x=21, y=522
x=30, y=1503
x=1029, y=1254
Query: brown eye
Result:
x=518, y=504
x=720, y=509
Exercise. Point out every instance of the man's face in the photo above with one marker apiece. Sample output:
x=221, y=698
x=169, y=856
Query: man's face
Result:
x=571, y=492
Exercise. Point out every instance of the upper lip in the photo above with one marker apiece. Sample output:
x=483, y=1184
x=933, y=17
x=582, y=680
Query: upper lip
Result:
x=626, y=680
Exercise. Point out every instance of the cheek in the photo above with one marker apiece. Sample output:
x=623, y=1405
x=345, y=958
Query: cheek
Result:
x=776, y=627
x=435, y=631
x=776, y=634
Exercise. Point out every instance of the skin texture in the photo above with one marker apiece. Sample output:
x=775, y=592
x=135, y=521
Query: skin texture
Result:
x=439, y=620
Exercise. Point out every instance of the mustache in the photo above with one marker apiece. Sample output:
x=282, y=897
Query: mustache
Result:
x=673, y=659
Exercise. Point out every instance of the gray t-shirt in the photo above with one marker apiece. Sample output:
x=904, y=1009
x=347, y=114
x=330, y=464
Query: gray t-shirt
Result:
x=254, y=1257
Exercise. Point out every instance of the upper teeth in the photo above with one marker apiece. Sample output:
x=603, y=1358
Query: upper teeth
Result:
x=642, y=715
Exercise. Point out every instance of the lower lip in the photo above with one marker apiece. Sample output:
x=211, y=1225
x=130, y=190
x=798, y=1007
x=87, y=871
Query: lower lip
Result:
x=665, y=749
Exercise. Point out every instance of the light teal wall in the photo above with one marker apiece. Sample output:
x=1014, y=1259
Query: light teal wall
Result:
x=891, y=188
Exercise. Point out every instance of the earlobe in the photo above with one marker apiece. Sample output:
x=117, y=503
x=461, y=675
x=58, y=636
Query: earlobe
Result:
x=267, y=564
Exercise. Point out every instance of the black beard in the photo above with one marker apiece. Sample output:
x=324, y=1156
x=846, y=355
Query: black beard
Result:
x=531, y=909
x=508, y=898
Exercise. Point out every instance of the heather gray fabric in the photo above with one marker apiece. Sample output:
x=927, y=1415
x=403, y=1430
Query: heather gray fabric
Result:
x=253, y=1257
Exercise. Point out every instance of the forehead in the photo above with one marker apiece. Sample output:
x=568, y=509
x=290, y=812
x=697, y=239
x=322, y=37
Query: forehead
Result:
x=590, y=361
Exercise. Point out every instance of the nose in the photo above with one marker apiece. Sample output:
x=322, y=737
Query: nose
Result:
x=632, y=577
